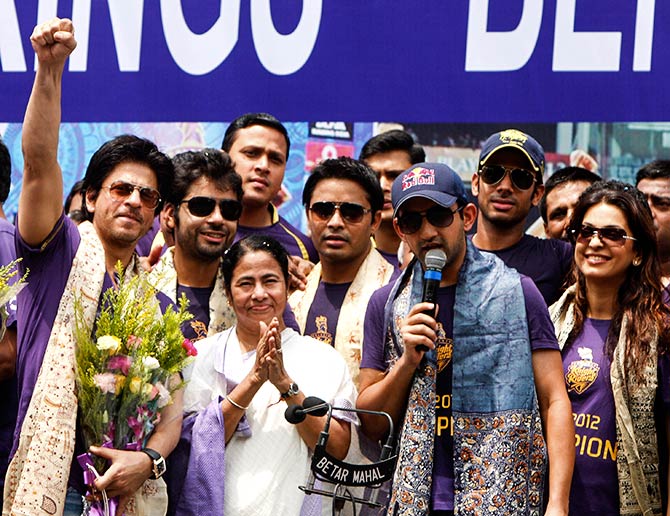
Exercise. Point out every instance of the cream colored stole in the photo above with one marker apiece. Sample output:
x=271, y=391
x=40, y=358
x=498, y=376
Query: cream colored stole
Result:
x=38, y=473
x=374, y=273
x=221, y=315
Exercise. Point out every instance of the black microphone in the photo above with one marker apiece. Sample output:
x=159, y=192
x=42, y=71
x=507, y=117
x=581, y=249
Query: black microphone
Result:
x=435, y=260
x=295, y=414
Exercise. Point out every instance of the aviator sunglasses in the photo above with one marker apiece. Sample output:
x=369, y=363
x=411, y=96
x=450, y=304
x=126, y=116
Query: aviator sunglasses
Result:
x=615, y=237
x=410, y=221
x=521, y=178
x=121, y=190
x=203, y=206
x=349, y=211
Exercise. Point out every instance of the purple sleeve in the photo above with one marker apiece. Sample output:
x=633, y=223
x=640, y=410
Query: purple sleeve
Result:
x=540, y=328
x=374, y=331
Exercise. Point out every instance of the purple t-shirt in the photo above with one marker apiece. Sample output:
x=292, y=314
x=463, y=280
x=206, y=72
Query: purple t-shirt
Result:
x=293, y=240
x=587, y=376
x=541, y=336
x=392, y=258
x=324, y=312
x=143, y=247
x=8, y=390
x=38, y=302
x=546, y=261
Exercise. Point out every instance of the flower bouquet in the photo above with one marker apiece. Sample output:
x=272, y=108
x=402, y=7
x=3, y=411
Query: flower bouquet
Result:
x=10, y=286
x=126, y=372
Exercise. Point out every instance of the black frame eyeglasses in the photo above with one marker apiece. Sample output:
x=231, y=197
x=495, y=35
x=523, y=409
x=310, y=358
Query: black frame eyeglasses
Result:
x=201, y=206
x=612, y=236
x=349, y=211
x=411, y=221
x=521, y=178
x=121, y=190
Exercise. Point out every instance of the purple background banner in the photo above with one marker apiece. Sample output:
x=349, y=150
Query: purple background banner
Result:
x=424, y=61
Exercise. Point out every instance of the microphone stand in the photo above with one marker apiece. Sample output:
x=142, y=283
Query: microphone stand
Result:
x=343, y=475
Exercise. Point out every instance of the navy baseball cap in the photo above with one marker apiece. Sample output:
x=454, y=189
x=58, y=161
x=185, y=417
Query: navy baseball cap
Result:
x=514, y=139
x=434, y=181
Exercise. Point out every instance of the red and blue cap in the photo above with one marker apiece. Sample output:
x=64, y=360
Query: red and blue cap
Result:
x=435, y=181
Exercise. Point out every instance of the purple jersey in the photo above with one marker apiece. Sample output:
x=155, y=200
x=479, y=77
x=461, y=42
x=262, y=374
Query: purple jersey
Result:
x=8, y=390
x=293, y=240
x=546, y=261
x=392, y=258
x=198, y=305
x=49, y=266
x=324, y=312
x=587, y=376
x=541, y=336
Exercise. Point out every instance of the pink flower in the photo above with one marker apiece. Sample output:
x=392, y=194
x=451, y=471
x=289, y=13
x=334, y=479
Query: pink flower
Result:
x=106, y=382
x=189, y=347
x=119, y=363
x=133, y=341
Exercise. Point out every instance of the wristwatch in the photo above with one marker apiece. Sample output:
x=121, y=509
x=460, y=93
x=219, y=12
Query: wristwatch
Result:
x=159, y=466
x=293, y=389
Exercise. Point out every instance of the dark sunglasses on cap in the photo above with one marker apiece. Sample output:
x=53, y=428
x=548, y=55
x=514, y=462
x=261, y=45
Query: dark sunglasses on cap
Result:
x=410, y=221
x=121, y=190
x=349, y=211
x=521, y=178
x=615, y=237
x=201, y=206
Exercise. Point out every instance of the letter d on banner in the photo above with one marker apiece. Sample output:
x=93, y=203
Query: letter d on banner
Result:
x=501, y=51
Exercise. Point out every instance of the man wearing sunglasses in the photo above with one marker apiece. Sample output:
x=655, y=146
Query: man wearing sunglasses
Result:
x=343, y=200
x=507, y=184
x=459, y=381
x=124, y=183
x=201, y=214
x=389, y=154
x=259, y=146
x=653, y=180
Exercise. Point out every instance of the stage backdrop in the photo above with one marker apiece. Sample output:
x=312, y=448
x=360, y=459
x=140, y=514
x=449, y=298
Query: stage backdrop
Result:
x=425, y=61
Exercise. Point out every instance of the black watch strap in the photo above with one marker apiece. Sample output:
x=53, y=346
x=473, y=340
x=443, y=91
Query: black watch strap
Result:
x=293, y=389
x=159, y=467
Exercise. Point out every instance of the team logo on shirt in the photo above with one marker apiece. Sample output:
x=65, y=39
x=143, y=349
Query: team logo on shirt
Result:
x=444, y=348
x=199, y=329
x=321, y=333
x=582, y=373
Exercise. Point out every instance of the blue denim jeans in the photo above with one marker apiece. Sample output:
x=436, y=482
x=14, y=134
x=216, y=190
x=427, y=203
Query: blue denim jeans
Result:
x=74, y=505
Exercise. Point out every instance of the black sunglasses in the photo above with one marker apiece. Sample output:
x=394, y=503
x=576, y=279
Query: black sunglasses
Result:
x=349, y=211
x=521, y=178
x=121, y=190
x=410, y=221
x=611, y=236
x=203, y=206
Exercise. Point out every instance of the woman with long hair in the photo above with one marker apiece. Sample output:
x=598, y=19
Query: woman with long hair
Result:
x=612, y=328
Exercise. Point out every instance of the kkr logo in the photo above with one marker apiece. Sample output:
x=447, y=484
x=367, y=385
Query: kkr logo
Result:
x=418, y=176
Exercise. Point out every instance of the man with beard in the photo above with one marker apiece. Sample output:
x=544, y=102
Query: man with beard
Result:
x=470, y=379
x=389, y=154
x=201, y=213
x=507, y=184
x=343, y=200
x=561, y=194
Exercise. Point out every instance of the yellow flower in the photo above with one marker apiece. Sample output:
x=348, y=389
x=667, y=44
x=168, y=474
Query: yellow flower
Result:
x=120, y=381
x=109, y=343
x=135, y=384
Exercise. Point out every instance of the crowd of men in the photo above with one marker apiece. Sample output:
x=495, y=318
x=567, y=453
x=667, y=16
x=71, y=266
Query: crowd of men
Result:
x=366, y=219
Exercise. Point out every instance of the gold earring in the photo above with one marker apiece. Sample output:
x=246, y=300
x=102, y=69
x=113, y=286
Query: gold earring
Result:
x=637, y=262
